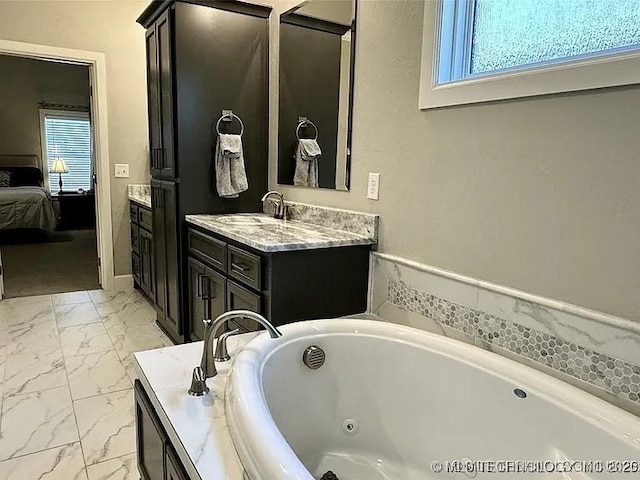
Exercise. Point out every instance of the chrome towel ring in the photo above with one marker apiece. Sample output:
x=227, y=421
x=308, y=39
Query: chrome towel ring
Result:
x=303, y=122
x=228, y=115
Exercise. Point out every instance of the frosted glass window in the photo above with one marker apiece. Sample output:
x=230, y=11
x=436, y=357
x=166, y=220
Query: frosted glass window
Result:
x=514, y=33
x=486, y=50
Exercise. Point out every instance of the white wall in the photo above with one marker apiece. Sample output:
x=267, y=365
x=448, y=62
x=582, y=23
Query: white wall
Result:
x=542, y=194
x=24, y=83
x=109, y=27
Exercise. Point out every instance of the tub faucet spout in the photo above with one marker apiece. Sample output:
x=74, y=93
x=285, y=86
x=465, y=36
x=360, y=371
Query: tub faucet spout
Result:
x=213, y=330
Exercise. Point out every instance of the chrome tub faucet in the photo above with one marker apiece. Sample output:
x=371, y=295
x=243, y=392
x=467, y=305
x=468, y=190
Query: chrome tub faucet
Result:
x=213, y=331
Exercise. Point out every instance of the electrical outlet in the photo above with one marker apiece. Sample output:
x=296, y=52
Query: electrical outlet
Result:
x=374, y=186
x=122, y=170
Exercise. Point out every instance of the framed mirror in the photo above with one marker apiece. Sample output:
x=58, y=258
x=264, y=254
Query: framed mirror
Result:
x=317, y=40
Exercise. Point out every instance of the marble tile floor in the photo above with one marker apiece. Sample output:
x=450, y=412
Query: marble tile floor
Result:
x=66, y=384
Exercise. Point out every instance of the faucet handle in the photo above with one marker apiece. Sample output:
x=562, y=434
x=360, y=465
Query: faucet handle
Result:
x=222, y=353
x=198, y=383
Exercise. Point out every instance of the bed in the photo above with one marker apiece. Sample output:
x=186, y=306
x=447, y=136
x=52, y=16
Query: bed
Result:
x=24, y=203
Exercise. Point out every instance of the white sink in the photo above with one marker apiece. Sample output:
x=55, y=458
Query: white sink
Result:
x=242, y=219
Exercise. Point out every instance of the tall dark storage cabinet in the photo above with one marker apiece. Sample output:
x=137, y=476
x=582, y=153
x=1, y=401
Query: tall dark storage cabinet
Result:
x=202, y=57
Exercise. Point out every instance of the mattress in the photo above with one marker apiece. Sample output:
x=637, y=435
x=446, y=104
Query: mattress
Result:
x=26, y=207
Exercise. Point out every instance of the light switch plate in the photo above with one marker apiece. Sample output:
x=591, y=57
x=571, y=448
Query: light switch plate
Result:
x=122, y=170
x=374, y=186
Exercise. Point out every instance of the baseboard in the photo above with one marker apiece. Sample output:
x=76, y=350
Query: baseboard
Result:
x=123, y=283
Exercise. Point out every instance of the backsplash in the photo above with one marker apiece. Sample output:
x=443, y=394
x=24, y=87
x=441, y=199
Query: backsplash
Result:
x=365, y=224
x=139, y=190
x=593, y=351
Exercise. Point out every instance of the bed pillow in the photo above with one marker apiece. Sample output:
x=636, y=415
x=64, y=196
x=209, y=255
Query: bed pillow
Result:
x=5, y=179
x=26, y=177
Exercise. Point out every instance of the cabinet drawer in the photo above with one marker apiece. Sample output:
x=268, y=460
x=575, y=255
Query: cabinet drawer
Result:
x=239, y=298
x=145, y=218
x=135, y=238
x=133, y=213
x=244, y=267
x=208, y=249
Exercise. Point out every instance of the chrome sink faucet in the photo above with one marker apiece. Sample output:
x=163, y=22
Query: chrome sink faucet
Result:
x=280, y=211
x=213, y=329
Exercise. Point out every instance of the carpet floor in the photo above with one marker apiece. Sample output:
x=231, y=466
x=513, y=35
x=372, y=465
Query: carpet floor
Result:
x=66, y=262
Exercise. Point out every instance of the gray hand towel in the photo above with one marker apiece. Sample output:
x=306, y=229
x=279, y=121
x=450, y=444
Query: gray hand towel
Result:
x=307, y=154
x=231, y=178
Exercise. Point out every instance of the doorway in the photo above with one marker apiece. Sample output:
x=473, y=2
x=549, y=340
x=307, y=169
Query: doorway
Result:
x=95, y=63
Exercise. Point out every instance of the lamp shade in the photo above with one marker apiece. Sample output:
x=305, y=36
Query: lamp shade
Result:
x=59, y=166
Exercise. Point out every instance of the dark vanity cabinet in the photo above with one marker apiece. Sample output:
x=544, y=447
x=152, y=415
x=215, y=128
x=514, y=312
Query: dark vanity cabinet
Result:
x=203, y=57
x=142, y=248
x=285, y=286
x=157, y=459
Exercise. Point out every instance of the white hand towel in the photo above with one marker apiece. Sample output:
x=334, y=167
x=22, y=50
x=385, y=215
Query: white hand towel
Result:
x=306, y=156
x=231, y=178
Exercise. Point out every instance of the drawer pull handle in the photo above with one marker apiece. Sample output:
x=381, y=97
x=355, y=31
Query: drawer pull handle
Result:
x=239, y=268
x=208, y=289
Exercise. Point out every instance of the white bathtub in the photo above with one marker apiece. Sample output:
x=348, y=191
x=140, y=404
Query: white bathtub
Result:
x=391, y=402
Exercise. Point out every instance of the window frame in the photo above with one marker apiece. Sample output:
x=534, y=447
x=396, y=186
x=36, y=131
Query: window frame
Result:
x=44, y=112
x=587, y=72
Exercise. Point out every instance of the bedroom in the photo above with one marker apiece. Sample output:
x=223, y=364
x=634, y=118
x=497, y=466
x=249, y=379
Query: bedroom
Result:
x=47, y=203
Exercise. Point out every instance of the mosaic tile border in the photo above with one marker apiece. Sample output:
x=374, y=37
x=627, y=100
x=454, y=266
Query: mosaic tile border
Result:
x=614, y=376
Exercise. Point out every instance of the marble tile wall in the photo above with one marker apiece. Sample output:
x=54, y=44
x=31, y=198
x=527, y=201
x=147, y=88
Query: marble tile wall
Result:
x=593, y=351
x=66, y=378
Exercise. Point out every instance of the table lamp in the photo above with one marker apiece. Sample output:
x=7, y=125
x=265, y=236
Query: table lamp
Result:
x=59, y=167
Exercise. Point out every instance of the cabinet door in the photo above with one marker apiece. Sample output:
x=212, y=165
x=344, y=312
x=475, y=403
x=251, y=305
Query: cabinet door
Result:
x=151, y=279
x=239, y=298
x=159, y=248
x=197, y=306
x=146, y=262
x=215, y=293
x=165, y=89
x=166, y=253
x=150, y=438
x=175, y=470
x=153, y=96
x=135, y=267
x=135, y=245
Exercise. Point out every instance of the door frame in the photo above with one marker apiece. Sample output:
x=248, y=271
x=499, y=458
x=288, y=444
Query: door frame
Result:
x=96, y=62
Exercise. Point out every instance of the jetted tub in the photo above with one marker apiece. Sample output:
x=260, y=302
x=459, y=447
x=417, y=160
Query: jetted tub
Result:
x=397, y=403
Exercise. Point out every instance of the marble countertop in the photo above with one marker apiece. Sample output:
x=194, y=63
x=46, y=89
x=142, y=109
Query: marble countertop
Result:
x=197, y=426
x=268, y=234
x=144, y=200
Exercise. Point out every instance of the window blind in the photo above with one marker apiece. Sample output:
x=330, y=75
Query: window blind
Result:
x=69, y=137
